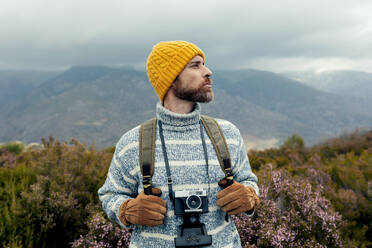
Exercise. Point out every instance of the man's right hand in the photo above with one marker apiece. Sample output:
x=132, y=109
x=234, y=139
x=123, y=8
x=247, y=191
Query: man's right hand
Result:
x=147, y=210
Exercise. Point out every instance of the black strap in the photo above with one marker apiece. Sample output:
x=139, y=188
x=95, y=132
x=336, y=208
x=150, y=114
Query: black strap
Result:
x=166, y=161
x=205, y=154
x=169, y=178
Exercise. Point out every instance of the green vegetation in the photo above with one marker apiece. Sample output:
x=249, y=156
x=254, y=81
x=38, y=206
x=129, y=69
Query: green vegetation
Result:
x=340, y=167
x=48, y=194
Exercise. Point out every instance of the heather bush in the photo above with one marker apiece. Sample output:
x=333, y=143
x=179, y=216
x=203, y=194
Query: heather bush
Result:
x=50, y=210
x=292, y=213
x=103, y=234
x=7, y=158
x=342, y=167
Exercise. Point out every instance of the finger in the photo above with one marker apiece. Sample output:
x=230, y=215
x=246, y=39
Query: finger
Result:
x=140, y=208
x=250, y=190
x=232, y=205
x=132, y=218
x=131, y=204
x=156, y=208
x=237, y=211
x=246, y=206
x=152, y=215
x=144, y=216
x=135, y=219
x=256, y=201
x=156, y=191
x=222, y=182
x=233, y=187
x=227, y=199
x=155, y=199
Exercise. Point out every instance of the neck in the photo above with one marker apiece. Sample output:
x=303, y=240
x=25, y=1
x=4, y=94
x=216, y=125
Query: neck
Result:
x=176, y=105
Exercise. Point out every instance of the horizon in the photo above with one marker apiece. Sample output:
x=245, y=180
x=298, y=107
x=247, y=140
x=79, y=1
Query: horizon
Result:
x=63, y=69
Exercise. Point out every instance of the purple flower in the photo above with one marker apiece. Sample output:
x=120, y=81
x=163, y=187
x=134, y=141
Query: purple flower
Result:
x=291, y=214
x=103, y=234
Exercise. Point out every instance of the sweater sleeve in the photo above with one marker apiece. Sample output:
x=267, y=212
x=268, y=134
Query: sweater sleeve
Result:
x=242, y=170
x=122, y=181
x=241, y=167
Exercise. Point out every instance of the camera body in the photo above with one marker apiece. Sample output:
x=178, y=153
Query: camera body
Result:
x=190, y=201
x=190, y=204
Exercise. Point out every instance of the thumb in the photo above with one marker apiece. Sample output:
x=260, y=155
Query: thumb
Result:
x=156, y=191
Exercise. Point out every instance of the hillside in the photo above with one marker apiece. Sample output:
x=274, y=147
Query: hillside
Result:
x=345, y=83
x=325, y=112
x=15, y=84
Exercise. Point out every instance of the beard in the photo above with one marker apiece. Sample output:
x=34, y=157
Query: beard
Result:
x=199, y=94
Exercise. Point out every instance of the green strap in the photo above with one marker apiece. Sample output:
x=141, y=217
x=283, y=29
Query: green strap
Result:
x=219, y=143
x=147, y=138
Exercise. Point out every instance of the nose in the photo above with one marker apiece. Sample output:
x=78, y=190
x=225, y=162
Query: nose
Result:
x=208, y=73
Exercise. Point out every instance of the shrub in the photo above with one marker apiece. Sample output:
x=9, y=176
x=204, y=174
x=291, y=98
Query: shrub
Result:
x=51, y=209
x=291, y=214
x=14, y=227
x=294, y=142
x=103, y=233
x=15, y=147
x=48, y=193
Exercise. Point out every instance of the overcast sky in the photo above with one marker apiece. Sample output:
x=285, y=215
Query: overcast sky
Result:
x=272, y=35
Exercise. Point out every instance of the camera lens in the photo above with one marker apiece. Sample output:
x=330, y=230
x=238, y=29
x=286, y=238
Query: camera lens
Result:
x=193, y=202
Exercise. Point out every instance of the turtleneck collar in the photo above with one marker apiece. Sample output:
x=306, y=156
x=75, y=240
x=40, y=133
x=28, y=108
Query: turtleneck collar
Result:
x=168, y=117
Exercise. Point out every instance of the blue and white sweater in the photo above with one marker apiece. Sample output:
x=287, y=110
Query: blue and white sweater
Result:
x=188, y=170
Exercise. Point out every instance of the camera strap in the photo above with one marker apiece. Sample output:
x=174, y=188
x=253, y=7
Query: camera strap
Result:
x=166, y=161
x=147, y=138
x=219, y=143
x=169, y=178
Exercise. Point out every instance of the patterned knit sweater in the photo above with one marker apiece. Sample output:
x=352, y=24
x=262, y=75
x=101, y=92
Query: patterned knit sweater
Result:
x=189, y=171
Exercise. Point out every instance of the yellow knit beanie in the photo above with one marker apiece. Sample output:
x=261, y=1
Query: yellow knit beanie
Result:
x=166, y=60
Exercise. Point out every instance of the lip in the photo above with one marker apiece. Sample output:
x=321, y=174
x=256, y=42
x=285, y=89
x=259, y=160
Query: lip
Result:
x=207, y=85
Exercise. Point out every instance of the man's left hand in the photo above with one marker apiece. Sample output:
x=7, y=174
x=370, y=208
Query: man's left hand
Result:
x=237, y=198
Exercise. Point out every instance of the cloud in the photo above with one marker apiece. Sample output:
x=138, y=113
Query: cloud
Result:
x=233, y=34
x=308, y=64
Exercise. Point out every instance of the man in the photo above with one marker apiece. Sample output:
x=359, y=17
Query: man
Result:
x=177, y=71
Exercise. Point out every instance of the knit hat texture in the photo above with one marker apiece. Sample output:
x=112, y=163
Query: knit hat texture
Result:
x=166, y=60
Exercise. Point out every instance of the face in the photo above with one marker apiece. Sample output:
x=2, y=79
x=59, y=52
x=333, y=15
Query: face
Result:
x=194, y=83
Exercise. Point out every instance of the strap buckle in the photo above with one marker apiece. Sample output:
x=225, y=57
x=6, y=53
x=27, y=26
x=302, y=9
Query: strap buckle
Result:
x=169, y=180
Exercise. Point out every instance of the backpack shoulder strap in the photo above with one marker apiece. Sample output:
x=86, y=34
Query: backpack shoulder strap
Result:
x=219, y=143
x=147, y=136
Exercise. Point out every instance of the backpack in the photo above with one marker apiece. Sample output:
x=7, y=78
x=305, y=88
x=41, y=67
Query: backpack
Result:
x=147, y=138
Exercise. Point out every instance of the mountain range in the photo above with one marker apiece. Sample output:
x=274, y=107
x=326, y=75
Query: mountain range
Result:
x=342, y=82
x=97, y=104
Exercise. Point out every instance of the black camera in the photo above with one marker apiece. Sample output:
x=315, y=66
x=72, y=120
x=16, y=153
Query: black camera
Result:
x=190, y=204
x=190, y=201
